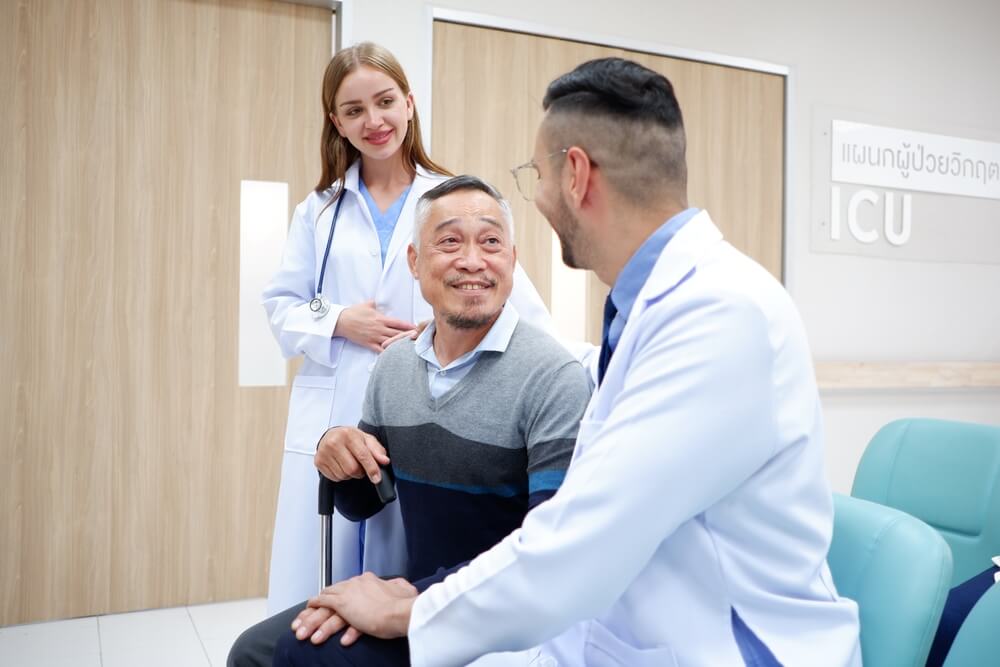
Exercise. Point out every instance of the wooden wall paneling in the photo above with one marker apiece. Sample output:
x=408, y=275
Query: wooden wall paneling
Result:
x=67, y=472
x=734, y=120
x=143, y=399
x=482, y=128
x=907, y=375
x=148, y=477
x=488, y=87
x=14, y=284
x=597, y=293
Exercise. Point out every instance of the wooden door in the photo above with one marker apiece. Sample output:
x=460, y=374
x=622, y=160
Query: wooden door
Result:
x=488, y=85
x=136, y=472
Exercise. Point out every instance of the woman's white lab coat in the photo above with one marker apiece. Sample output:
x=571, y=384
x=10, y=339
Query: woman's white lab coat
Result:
x=330, y=385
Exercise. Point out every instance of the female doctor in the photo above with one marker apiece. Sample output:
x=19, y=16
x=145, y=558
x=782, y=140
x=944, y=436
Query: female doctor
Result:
x=343, y=290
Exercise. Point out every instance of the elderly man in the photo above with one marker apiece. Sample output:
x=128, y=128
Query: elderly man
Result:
x=475, y=419
x=693, y=525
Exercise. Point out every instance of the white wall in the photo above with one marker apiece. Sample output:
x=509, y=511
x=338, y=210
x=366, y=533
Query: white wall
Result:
x=928, y=66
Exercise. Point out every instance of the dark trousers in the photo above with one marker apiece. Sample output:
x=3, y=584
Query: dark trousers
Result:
x=366, y=652
x=255, y=647
x=272, y=642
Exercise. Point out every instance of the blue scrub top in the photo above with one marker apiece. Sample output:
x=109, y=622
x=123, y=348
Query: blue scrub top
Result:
x=384, y=222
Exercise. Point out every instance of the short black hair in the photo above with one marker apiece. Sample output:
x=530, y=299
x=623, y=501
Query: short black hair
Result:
x=627, y=118
x=616, y=87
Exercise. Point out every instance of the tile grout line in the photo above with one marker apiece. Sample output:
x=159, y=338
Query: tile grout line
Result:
x=100, y=643
x=197, y=634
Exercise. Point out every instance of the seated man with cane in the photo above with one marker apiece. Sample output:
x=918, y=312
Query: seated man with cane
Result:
x=475, y=419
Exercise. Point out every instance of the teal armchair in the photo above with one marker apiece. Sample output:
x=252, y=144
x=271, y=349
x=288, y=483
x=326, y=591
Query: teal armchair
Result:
x=898, y=570
x=946, y=474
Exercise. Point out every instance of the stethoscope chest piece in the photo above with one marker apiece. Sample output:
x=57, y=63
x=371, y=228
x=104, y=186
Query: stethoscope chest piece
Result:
x=319, y=307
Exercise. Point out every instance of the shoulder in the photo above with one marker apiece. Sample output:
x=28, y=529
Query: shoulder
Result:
x=729, y=277
x=727, y=301
x=426, y=179
x=395, y=358
x=309, y=208
x=535, y=353
x=531, y=342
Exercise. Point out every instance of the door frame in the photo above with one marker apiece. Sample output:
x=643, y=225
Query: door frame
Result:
x=340, y=30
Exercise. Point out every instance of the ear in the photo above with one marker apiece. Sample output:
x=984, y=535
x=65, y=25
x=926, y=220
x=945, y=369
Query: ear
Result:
x=336, y=124
x=409, y=106
x=411, y=259
x=579, y=172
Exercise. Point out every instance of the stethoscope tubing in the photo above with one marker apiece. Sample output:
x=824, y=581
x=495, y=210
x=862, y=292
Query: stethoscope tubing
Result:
x=329, y=241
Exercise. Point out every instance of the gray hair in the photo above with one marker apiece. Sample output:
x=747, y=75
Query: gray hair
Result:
x=459, y=184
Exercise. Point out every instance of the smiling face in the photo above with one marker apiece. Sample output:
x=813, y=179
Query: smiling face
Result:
x=372, y=112
x=465, y=262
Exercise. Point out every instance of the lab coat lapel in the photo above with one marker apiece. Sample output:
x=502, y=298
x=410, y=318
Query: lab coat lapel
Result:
x=677, y=261
x=403, y=232
x=352, y=177
x=679, y=257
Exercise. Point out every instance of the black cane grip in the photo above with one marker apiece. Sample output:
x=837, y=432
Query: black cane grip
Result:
x=386, y=487
x=325, y=496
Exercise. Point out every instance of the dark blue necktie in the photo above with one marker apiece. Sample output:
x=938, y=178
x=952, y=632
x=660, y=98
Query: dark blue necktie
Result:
x=606, y=350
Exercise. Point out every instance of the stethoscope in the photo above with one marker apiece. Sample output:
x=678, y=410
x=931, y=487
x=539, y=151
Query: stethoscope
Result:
x=319, y=304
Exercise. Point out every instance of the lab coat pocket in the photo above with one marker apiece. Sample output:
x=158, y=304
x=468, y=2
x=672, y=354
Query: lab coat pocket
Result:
x=604, y=649
x=309, y=411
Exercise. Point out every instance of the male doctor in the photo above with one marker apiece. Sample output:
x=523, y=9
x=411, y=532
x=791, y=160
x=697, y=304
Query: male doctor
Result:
x=694, y=521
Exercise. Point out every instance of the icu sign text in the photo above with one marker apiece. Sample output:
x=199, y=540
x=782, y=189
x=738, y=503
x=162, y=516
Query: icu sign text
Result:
x=871, y=155
x=896, y=234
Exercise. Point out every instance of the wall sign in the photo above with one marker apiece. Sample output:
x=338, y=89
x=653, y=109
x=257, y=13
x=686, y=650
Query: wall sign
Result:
x=892, y=158
x=901, y=194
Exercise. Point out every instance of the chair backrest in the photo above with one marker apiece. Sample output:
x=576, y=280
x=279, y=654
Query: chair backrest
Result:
x=946, y=474
x=898, y=570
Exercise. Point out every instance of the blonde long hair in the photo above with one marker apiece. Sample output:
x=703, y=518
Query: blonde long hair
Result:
x=337, y=153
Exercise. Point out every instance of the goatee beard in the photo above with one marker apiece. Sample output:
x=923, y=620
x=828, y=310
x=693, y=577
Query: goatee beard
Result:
x=459, y=321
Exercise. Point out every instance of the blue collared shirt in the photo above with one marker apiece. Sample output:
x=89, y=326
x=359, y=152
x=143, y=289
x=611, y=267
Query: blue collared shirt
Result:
x=495, y=340
x=637, y=270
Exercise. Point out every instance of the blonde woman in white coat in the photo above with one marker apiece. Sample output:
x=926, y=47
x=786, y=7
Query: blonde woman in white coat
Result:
x=374, y=170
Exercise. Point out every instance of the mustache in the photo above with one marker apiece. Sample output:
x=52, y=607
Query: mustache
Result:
x=454, y=280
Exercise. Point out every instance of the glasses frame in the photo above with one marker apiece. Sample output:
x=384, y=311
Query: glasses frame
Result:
x=532, y=164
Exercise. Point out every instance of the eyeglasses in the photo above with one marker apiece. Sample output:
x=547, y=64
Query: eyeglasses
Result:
x=526, y=175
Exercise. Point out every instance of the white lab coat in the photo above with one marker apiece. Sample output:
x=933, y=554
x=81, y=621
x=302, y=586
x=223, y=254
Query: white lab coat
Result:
x=696, y=488
x=330, y=385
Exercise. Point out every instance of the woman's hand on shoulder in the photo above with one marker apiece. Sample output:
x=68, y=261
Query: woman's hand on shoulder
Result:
x=412, y=334
x=364, y=325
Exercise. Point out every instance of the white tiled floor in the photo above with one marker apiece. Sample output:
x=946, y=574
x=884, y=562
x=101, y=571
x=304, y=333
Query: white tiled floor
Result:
x=197, y=636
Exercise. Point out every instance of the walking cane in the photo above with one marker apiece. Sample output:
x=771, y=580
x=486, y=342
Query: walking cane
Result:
x=386, y=489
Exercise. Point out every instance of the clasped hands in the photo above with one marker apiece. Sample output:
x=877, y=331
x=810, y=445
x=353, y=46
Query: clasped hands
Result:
x=365, y=605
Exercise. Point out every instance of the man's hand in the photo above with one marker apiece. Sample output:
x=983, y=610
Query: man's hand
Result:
x=367, y=604
x=345, y=452
x=317, y=624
